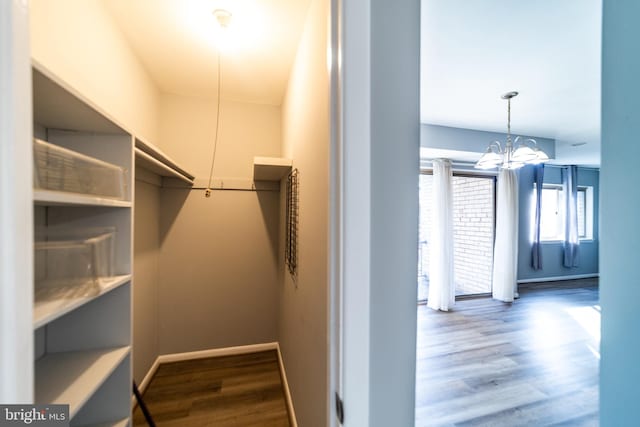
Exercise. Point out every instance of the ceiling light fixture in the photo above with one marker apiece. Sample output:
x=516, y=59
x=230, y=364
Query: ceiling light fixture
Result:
x=223, y=17
x=514, y=154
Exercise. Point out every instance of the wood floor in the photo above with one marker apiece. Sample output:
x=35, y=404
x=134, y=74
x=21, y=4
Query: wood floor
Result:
x=530, y=363
x=224, y=391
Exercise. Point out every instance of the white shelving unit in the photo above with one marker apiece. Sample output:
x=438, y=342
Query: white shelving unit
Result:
x=151, y=158
x=46, y=310
x=59, y=198
x=83, y=342
x=71, y=377
x=270, y=168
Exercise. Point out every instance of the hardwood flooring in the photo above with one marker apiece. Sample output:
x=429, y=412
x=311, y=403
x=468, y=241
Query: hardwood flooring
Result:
x=243, y=390
x=530, y=363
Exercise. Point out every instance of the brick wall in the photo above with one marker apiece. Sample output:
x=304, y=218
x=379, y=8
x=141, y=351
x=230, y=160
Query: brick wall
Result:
x=473, y=227
x=473, y=221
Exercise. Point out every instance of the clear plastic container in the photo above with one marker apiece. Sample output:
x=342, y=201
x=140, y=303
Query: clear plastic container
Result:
x=73, y=267
x=59, y=169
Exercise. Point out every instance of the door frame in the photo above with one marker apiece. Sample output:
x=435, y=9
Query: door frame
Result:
x=16, y=206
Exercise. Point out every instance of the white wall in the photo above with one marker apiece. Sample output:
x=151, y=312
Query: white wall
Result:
x=79, y=42
x=303, y=307
x=620, y=202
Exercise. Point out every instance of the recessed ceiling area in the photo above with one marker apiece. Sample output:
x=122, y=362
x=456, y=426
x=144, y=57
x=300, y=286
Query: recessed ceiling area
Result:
x=549, y=51
x=177, y=41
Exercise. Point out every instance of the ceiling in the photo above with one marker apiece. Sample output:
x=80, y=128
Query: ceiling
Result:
x=472, y=52
x=177, y=42
x=548, y=50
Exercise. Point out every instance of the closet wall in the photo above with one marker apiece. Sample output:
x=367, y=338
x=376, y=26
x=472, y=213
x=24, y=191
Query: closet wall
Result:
x=218, y=256
x=146, y=256
x=303, y=304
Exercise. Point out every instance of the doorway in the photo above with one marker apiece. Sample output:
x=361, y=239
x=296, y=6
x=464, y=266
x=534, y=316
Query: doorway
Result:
x=473, y=233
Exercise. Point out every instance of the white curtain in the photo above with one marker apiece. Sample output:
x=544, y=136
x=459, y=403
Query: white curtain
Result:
x=505, y=256
x=441, y=286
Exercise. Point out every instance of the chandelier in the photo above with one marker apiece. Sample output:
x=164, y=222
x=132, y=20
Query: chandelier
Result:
x=514, y=154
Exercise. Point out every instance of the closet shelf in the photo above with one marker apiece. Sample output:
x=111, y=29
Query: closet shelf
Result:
x=45, y=311
x=270, y=168
x=72, y=377
x=151, y=158
x=61, y=198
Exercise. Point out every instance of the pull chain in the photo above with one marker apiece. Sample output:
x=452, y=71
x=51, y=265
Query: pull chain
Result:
x=207, y=193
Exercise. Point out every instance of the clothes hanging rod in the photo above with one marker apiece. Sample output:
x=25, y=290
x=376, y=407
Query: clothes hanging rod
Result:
x=160, y=167
x=159, y=156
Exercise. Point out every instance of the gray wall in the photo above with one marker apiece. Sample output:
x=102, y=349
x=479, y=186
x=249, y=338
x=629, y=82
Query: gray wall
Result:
x=218, y=273
x=470, y=140
x=552, y=254
x=218, y=269
x=145, y=272
x=303, y=303
x=620, y=237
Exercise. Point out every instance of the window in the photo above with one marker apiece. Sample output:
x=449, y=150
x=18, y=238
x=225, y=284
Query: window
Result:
x=585, y=213
x=582, y=207
x=552, y=215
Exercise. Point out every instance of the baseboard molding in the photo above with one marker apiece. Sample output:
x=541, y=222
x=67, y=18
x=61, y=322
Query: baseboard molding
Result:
x=145, y=383
x=287, y=393
x=217, y=352
x=147, y=378
x=559, y=278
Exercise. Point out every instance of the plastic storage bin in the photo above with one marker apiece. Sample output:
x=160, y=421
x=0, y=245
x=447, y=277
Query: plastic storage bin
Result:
x=60, y=169
x=72, y=268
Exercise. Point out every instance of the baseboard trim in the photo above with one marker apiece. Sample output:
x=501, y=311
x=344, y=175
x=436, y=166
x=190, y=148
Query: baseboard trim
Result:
x=287, y=393
x=147, y=378
x=559, y=278
x=145, y=382
x=217, y=352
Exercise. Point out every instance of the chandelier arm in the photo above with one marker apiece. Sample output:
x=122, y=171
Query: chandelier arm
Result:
x=514, y=153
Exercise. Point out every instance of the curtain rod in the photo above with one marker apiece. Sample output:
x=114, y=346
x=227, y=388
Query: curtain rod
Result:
x=471, y=165
x=453, y=163
x=467, y=169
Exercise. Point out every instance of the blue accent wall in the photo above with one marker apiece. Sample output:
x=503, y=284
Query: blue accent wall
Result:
x=471, y=140
x=552, y=254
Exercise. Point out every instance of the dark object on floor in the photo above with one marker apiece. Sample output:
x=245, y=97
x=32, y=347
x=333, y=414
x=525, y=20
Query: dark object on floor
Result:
x=143, y=407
